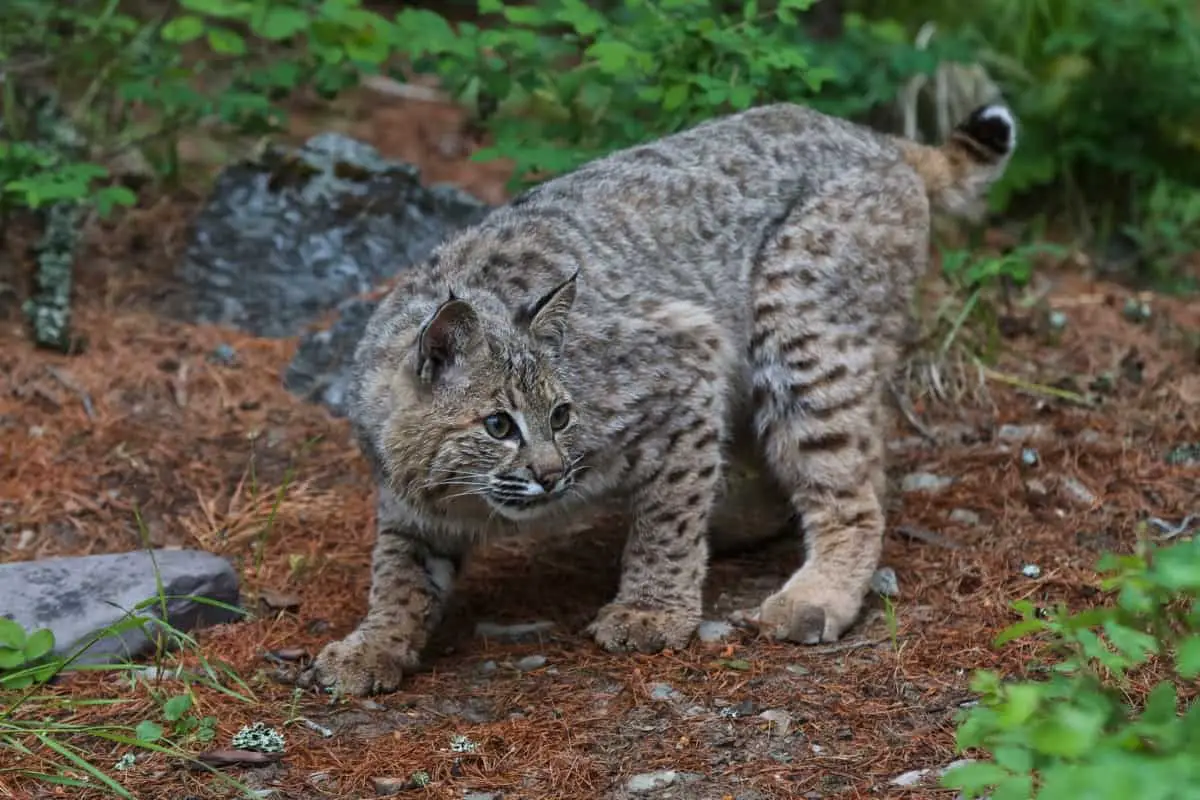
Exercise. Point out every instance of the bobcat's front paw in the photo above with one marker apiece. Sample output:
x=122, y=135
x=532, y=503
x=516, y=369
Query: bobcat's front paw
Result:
x=622, y=628
x=807, y=612
x=363, y=663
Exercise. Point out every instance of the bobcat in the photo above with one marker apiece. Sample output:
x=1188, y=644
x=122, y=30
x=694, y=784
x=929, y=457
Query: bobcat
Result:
x=631, y=335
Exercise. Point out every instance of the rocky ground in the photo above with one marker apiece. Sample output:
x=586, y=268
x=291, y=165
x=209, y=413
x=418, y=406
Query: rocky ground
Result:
x=184, y=434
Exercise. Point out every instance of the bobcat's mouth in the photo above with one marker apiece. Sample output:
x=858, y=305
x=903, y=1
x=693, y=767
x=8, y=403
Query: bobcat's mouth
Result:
x=514, y=496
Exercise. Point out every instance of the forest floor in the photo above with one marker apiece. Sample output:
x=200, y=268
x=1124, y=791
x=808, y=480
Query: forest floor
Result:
x=215, y=454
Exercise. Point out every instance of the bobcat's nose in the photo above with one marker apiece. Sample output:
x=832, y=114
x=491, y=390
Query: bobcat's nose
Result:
x=546, y=467
x=548, y=477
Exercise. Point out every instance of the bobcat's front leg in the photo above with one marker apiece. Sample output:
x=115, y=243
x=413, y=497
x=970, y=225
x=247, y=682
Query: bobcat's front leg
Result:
x=675, y=474
x=410, y=584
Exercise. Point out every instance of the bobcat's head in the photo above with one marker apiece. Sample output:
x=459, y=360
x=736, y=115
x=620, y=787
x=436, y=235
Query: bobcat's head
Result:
x=479, y=420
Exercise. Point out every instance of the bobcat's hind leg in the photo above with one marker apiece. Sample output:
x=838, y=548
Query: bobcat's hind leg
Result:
x=831, y=297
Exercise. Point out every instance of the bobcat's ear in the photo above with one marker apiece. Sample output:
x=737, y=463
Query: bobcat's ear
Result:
x=548, y=317
x=450, y=333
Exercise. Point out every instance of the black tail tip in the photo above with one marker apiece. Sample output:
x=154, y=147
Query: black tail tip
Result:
x=992, y=127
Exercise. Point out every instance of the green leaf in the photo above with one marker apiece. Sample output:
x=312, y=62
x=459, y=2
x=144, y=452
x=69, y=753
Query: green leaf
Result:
x=226, y=9
x=1069, y=732
x=1187, y=659
x=12, y=635
x=612, y=56
x=675, y=97
x=1021, y=700
x=183, y=29
x=281, y=23
x=226, y=42
x=38, y=644
x=148, y=731
x=176, y=707
x=491, y=6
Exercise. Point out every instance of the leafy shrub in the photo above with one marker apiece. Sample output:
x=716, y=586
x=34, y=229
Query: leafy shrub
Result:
x=560, y=82
x=1078, y=734
x=128, y=81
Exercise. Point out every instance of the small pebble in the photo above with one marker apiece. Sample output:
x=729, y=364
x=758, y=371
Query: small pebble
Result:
x=884, y=582
x=1135, y=310
x=1029, y=457
x=487, y=668
x=1031, y=571
x=924, y=482
x=1021, y=433
x=713, y=630
x=530, y=663
x=653, y=781
x=224, y=354
x=965, y=516
x=797, y=669
x=663, y=691
x=1057, y=320
x=1078, y=492
x=910, y=778
x=779, y=721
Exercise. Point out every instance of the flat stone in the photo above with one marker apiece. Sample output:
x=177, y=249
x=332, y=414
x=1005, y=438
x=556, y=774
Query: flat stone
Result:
x=78, y=597
x=924, y=482
x=514, y=634
x=714, y=630
x=653, y=781
x=482, y=796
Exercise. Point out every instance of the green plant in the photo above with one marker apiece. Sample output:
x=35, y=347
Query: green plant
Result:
x=1080, y=732
x=560, y=82
x=1169, y=233
x=24, y=656
x=131, y=79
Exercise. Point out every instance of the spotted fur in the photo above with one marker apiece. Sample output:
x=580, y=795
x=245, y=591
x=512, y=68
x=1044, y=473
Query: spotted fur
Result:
x=725, y=301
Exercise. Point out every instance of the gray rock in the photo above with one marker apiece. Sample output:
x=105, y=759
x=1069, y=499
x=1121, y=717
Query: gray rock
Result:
x=482, y=796
x=648, y=782
x=714, y=630
x=884, y=582
x=924, y=482
x=513, y=634
x=285, y=236
x=78, y=598
x=530, y=663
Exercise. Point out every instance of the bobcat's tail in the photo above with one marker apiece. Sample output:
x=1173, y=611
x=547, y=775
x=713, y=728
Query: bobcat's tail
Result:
x=959, y=172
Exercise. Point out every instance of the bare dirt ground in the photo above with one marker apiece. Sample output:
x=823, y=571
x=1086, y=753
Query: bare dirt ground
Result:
x=147, y=424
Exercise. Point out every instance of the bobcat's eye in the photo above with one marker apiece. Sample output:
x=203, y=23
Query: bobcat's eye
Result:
x=500, y=425
x=560, y=416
